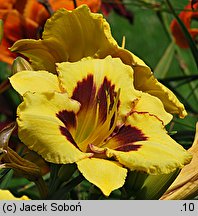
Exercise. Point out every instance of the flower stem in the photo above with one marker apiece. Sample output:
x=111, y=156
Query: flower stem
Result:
x=75, y=4
x=47, y=6
x=42, y=187
x=4, y=86
x=64, y=190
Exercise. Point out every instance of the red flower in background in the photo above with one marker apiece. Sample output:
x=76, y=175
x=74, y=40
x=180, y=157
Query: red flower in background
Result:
x=25, y=18
x=118, y=7
x=186, y=16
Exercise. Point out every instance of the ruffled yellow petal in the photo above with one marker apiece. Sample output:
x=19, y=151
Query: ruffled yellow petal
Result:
x=34, y=81
x=145, y=81
x=68, y=36
x=73, y=35
x=44, y=123
x=107, y=175
x=40, y=55
x=7, y=195
x=147, y=147
x=152, y=105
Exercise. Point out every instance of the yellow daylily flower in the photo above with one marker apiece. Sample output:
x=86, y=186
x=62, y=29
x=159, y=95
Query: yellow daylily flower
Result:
x=91, y=114
x=7, y=195
x=73, y=35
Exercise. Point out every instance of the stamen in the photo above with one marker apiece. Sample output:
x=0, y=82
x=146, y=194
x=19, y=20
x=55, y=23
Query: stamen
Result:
x=96, y=150
x=97, y=115
x=123, y=41
x=85, y=128
x=104, y=129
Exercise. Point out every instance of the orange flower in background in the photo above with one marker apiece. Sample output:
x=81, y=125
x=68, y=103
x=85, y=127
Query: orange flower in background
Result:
x=193, y=2
x=25, y=19
x=186, y=16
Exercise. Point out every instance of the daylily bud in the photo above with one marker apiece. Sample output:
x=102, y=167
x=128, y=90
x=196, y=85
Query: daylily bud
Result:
x=12, y=160
x=20, y=64
x=5, y=134
x=186, y=184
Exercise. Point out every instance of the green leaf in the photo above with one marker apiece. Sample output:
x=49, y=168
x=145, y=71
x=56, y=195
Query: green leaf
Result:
x=188, y=69
x=164, y=19
x=140, y=185
x=4, y=183
x=17, y=183
x=54, y=181
x=63, y=191
x=30, y=185
x=66, y=171
x=3, y=173
x=185, y=79
x=164, y=64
